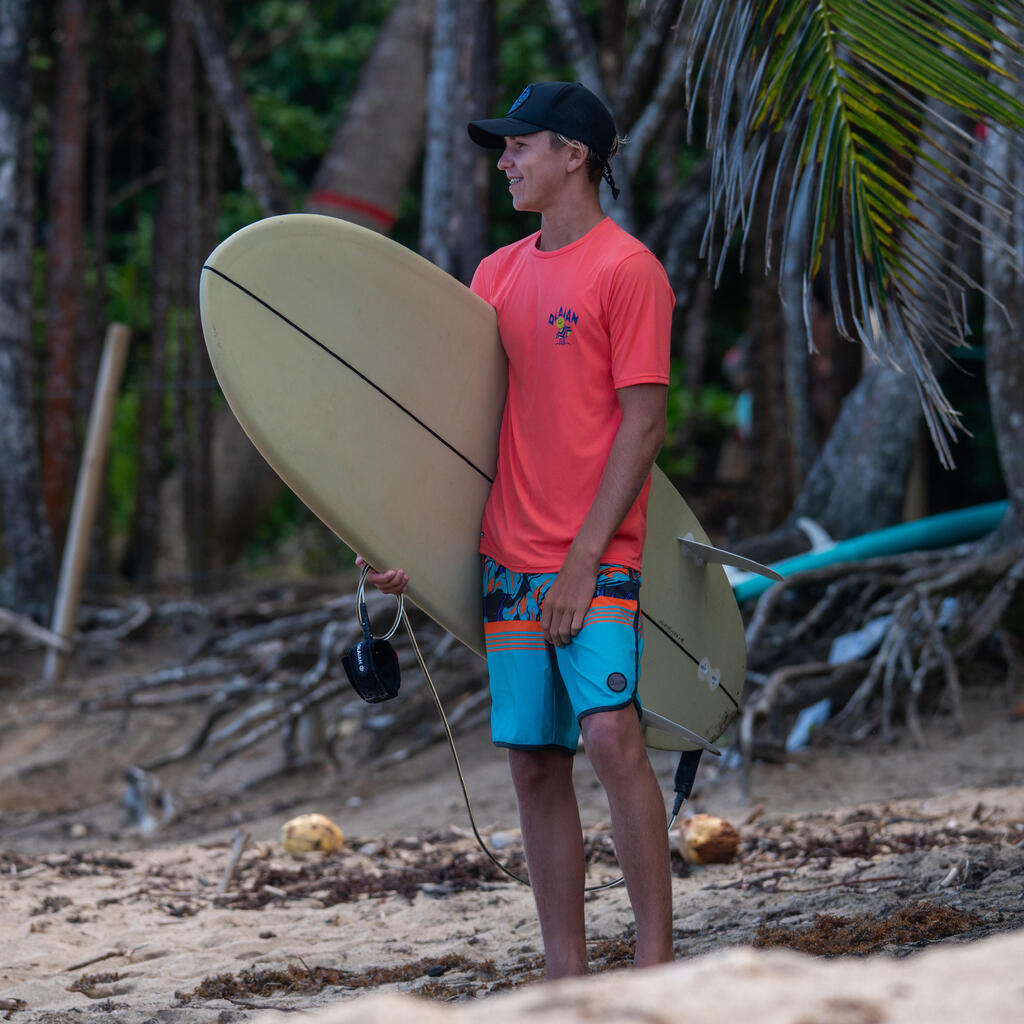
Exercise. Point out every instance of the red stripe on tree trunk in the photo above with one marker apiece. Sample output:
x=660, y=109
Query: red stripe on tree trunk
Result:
x=325, y=197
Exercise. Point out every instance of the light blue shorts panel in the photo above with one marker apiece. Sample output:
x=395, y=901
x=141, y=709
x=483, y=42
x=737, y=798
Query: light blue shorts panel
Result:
x=540, y=692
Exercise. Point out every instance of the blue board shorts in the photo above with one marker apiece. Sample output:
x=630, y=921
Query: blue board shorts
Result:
x=539, y=692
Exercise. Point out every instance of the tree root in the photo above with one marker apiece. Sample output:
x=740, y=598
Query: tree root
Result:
x=268, y=669
x=946, y=609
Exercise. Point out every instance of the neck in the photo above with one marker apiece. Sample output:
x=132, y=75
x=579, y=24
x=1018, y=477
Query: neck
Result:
x=567, y=223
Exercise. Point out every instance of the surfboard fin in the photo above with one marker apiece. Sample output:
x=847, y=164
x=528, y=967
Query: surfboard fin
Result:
x=656, y=721
x=702, y=553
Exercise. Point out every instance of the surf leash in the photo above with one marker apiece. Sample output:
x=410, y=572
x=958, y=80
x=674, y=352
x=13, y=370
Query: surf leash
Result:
x=368, y=665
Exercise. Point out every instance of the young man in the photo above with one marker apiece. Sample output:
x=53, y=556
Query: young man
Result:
x=584, y=313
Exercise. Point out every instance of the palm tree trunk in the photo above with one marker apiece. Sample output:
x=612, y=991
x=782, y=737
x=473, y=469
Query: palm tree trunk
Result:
x=375, y=150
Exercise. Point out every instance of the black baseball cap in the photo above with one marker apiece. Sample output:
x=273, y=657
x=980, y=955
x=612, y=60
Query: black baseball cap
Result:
x=568, y=108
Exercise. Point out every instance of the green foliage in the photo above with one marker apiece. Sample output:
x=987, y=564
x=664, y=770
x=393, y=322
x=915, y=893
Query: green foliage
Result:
x=293, y=538
x=301, y=64
x=123, y=463
x=282, y=523
x=697, y=423
x=128, y=279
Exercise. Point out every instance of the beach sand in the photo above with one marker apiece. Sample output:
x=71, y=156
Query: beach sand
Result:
x=920, y=851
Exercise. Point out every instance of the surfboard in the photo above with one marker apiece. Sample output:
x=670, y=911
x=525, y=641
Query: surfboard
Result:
x=374, y=383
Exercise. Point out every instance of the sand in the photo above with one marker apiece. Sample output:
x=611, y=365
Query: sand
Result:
x=409, y=921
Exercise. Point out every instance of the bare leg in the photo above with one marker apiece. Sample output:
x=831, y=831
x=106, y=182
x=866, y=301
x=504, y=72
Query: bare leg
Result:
x=553, y=841
x=615, y=746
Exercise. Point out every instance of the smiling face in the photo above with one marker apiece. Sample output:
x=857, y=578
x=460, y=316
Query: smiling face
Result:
x=538, y=172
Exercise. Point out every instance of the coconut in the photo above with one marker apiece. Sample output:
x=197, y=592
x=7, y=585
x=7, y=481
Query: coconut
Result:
x=311, y=833
x=705, y=839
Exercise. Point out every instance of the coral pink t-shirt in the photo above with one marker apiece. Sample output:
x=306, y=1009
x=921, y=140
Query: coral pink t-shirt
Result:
x=577, y=323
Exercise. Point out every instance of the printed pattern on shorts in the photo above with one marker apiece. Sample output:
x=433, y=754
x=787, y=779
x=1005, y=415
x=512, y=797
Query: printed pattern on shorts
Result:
x=540, y=692
x=517, y=597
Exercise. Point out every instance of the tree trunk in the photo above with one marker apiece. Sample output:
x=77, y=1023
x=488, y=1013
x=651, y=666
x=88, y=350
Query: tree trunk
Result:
x=99, y=556
x=772, y=458
x=259, y=173
x=611, y=52
x=675, y=233
x=64, y=266
x=374, y=152
x=473, y=166
x=435, y=216
x=28, y=583
x=796, y=313
x=183, y=249
x=582, y=52
x=642, y=62
x=857, y=482
x=198, y=370
x=1003, y=152
x=664, y=102
x=140, y=555
x=453, y=230
x=362, y=177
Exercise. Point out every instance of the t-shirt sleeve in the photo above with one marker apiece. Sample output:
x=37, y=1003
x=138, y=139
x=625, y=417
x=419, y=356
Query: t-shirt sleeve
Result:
x=480, y=284
x=640, y=307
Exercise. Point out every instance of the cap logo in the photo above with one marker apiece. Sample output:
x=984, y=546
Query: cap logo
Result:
x=523, y=97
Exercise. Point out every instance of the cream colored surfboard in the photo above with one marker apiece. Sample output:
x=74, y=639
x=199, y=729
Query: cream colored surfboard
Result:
x=373, y=383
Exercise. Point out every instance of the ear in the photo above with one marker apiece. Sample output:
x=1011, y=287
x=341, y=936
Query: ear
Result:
x=577, y=158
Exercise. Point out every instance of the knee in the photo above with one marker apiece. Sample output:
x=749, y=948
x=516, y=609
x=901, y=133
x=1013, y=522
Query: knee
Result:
x=614, y=742
x=534, y=771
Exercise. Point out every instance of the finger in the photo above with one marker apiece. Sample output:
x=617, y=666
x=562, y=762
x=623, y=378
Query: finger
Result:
x=561, y=629
x=392, y=581
x=545, y=622
x=397, y=582
x=555, y=633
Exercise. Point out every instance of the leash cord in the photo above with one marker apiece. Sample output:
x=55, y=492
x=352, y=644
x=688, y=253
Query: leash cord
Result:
x=462, y=779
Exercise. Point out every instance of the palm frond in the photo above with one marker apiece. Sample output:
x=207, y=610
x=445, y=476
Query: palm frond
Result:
x=872, y=107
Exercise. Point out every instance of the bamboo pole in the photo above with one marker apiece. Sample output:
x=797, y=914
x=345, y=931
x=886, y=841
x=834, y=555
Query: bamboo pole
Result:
x=87, y=492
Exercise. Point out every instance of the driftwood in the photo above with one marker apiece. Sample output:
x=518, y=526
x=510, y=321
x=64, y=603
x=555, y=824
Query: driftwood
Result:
x=266, y=669
x=24, y=627
x=265, y=664
x=238, y=844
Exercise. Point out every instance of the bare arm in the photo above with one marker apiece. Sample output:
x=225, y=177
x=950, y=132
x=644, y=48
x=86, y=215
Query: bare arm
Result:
x=632, y=455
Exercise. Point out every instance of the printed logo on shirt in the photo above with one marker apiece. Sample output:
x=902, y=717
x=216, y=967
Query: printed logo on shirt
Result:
x=563, y=321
